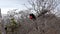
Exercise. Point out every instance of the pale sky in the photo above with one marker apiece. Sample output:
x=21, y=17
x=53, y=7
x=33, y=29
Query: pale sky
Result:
x=6, y=5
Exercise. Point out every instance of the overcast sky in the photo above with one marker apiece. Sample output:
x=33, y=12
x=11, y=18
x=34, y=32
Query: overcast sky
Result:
x=6, y=5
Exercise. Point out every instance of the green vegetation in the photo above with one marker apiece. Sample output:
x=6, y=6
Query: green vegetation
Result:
x=12, y=26
x=13, y=23
x=0, y=32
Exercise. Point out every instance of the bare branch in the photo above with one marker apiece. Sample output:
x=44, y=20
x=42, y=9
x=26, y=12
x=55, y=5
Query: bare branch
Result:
x=48, y=5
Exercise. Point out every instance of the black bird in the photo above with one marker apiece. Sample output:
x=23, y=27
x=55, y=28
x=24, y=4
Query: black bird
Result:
x=32, y=16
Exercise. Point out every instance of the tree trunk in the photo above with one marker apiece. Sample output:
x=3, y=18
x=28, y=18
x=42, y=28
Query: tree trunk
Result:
x=2, y=30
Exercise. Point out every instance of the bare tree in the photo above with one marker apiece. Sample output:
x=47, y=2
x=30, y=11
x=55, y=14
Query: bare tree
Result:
x=43, y=6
